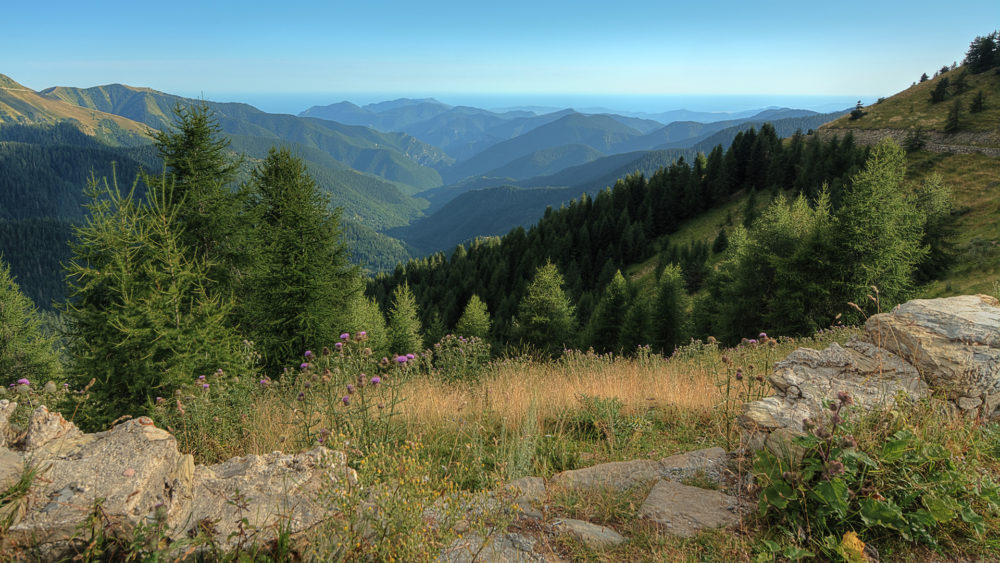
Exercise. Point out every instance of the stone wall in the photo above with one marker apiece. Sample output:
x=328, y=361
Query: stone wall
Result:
x=963, y=142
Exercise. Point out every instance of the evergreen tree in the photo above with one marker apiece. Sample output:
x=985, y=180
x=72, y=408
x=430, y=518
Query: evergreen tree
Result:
x=404, y=322
x=300, y=283
x=140, y=318
x=669, y=310
x=604, y=328
x=951, y=123
x=940, y=91
x=25, y=352
x=880, y=231
x=924, y=77
x=201, y=171
x=475, y=320
x=983, y=53
x=636, y=326
x=978, y=102
x=365, y=315
x=545, y=317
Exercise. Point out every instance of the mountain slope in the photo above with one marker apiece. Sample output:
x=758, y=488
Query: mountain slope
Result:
x=394, y=156
x=23, y=106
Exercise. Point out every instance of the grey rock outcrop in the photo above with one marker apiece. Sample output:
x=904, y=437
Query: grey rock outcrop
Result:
x=506, y=548
x=140, y=476
x=924, y=346
x=685, y=510
x=592, y=535
x=712, y=463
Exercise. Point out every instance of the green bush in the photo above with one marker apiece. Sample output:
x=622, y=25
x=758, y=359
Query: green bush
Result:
x=457, y=358
x=898, y=484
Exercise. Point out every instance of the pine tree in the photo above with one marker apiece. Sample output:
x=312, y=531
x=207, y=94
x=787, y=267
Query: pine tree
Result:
x=951, y=123
x=140, y=318
x=404, y=322
x=475, y=320
x=940, y=91
x=25, y=352
x=669, y=310
x=545, y=317
x=879, y=231
x=978, y=102
x=300, y=283
x=201, y=171
x=604, y=328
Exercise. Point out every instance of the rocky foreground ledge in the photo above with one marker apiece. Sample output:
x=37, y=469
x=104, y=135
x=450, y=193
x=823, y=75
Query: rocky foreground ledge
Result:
x=948, y=346
x=141, y=476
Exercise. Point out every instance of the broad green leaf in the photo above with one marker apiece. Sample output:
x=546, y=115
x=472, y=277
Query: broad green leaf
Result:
x=941, y=508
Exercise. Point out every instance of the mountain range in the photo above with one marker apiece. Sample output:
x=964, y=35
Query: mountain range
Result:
x=412, y=176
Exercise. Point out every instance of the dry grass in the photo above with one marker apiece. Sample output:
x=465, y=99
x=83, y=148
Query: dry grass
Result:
x=514, y=390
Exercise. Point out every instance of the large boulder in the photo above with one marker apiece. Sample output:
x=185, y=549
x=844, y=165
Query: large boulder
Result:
x=954, y=343
x=711, y=463
x=134, y=474
x=949, y=346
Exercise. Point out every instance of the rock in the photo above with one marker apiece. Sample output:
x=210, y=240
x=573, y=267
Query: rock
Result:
x=591, y=535
x=684, y=511
x=11, y=470
x=502, y=549
x=72, y=479
x=949, y=345
x=269, y=491
x=713, y=463
x=806, y=377
x=47, y=427
x=529, y=496
x=953, y=342
x=6, y=410
x=618, y=475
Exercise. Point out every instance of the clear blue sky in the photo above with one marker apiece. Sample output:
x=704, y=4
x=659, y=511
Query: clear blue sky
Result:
x=433, y=47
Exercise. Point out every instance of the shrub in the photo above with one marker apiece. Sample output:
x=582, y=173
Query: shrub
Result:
x=457, y=358
x=892, y=482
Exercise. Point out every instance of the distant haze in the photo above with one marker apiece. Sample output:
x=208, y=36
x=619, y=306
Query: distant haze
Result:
x=293, y=103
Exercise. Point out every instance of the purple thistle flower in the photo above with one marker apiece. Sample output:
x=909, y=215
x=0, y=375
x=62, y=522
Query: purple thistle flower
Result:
x=362, y=334
x=350, y=388
x=23, y=381
x=204, y=385
x=376, y=380
x=762, y=336
x=65, y=385
x=263, y=382
x=308, y=354
x=304, y=365
x=159, y=400
x=338, y=345
x=345, y=336
x=346, y=400
x=401, y=359
x=201, y=378
x=410, y=356
x=752, y=341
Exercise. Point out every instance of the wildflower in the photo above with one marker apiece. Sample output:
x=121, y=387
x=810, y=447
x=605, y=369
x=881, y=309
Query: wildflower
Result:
x=338, y=345
x=65, y=385
x=834, y=468
x=401, y=359
x=752, y=341
x=345, y=336
x=23, y=381
x=159, y=400
x=384, y=362
x=762, y=336
x=362, y=335
x=50, y=387
x=263, y=383
x=304, y=365
x=219, y=372
x=201, y=378
x=350, y=388
x=376, y=380
x=302, y=396
x=836, y=419
x=849, y=442
x=308, y=354
x=725, y=359
x=409, y=356
x=367, y=352
x=739, y=374
x=346, y=400
x=326, y=351
x=204, y=385
x=845, y=398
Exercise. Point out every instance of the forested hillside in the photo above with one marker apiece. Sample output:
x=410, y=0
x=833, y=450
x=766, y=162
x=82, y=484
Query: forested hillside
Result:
x=593, y=237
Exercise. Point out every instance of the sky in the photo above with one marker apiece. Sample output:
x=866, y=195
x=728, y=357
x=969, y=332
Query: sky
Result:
x=646, y=53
